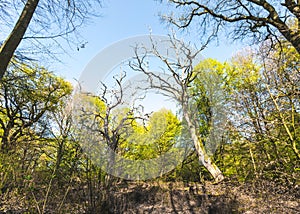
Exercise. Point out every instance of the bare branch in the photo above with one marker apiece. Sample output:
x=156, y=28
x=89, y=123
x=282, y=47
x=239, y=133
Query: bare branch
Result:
x=253, y=18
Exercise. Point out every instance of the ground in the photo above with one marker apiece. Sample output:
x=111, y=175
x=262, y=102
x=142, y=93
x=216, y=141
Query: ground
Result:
x=178, y=198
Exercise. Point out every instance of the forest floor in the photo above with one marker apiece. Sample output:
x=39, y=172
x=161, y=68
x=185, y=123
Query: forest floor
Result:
x=178, y=198
x=220, y=198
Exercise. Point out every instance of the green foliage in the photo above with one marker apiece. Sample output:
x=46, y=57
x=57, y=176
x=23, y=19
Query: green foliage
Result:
x=42, y=158
x=25, y=104
x=154, y=139
x=31, y=151
x=205, y=90
x=260, y=93
x=263, y=118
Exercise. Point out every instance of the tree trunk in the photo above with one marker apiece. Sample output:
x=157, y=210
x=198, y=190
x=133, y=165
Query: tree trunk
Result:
x=295, y=40
x=12, y=42
x=292, y=37
x=203, y=157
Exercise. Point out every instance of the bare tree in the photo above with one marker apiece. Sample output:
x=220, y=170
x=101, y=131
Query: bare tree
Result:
x=103, y=120
x=38, y=19
x=259, y=19
x=175, y=82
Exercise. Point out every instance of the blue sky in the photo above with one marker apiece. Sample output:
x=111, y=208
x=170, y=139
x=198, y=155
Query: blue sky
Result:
x=124, y=19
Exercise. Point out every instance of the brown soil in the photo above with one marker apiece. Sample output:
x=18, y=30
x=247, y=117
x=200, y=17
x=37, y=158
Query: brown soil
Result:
x=223, y=198
x=178, y=198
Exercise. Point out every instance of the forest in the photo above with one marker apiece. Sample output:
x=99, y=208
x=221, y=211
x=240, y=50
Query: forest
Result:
x=231, y=146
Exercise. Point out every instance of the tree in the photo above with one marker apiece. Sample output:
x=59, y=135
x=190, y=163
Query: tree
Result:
x=153, y=139
x=175, y=81
x=263, y=88
x=26, y=103
x=210, y=99
x=164, y=129
x=63, y=17
x=12, y=42
x=281, y=76
x=260, y=19
x=104, y=122
x=25, y=121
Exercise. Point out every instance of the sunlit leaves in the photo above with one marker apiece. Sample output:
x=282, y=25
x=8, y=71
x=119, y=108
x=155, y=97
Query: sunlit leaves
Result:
x=154, y=139
x=28, y=94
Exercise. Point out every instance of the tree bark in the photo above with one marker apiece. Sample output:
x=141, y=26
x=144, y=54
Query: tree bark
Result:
x=293, y=36
x=202, y=154
x=8, y=48
x=295, y=39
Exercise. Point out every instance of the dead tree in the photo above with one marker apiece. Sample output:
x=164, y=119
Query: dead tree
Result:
x=174, y=82
x=103, y=121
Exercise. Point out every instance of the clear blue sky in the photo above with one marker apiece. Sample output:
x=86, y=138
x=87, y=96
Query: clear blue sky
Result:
x=124, y=19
